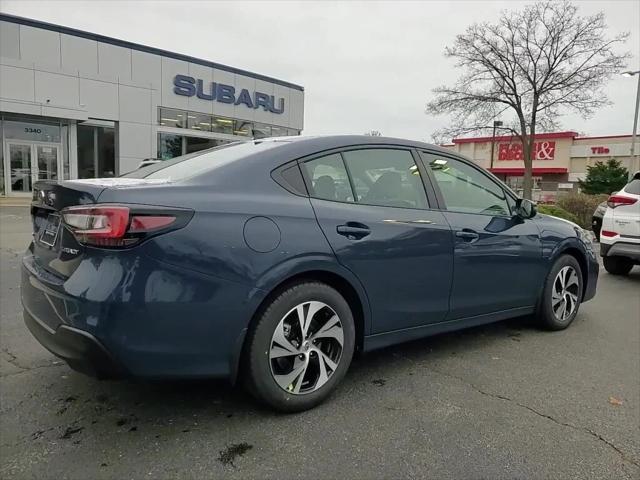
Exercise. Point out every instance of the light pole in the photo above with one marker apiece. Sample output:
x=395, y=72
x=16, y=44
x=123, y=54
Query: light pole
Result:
x=496, y=123
x=635, y=163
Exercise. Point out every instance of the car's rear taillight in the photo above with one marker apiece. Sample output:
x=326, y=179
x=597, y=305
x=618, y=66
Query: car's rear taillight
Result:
x=608, y=233
x=618, y=200
x=120, y=225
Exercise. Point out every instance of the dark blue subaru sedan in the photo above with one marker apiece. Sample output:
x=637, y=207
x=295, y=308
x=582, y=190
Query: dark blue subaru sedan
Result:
x=275, y=260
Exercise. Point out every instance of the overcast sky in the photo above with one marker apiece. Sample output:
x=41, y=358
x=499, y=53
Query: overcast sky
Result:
x=364, y=66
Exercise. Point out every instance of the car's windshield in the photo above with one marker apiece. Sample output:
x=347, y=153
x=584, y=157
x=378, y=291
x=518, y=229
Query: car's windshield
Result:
x=187, y=166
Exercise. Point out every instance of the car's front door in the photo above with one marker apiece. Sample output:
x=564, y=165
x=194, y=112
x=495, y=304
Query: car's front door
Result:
x=372, y=207
x=498, y=256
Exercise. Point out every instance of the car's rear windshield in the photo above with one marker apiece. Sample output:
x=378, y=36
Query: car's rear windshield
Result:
x=633, y=187
x=193, y=164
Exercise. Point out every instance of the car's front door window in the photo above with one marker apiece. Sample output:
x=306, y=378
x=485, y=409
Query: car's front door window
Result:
x=467, y=190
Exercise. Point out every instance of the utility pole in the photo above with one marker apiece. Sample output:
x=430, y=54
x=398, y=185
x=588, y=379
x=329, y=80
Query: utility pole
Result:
x=635, y=161
x=498, y=123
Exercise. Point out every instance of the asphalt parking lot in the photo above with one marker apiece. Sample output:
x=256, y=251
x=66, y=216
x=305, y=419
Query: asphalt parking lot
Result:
x=500, y=401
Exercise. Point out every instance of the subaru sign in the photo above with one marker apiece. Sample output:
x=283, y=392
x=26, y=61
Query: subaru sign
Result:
x=219, y=92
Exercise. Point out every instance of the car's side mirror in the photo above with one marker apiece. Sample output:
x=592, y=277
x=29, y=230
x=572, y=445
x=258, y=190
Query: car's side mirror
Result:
x=525, y=208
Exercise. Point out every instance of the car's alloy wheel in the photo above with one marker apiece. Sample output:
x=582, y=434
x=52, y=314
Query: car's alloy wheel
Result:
x=306, y=347
x=299, y=347
x=561, y=295
x=564, y=298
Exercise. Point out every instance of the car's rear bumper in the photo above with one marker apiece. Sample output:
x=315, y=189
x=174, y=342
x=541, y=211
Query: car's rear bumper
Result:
x=81, y=350
x=621, y=249
x=131, y=314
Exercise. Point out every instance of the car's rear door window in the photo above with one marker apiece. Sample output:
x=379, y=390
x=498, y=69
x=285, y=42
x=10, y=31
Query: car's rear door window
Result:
x=386, y=177
x=328, y=178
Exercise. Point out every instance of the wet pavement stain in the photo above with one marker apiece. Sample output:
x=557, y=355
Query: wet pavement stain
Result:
x=229, y=454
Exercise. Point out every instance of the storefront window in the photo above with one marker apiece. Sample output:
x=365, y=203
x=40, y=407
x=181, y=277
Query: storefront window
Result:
x=222, y=125
x=515, y=182
x=37, y=132
x=106, y=152
x=279, y=132
x=86, y=151
x=96, y=151
x=243, y=128
x=195, y=144
x=260, y=130
x=35, y=150
x=169, y=146
x=172, y=118
x=197, y=121
x=169, y=117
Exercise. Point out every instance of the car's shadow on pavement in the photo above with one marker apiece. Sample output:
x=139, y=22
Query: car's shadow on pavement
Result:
x=174, y=402
x=180, y=406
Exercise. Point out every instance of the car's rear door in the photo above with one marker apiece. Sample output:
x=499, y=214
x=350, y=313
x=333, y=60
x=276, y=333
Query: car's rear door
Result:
x=498, y=256
x=372, y=206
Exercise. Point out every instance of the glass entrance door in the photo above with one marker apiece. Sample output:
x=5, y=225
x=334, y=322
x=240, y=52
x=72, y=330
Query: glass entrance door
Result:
x=46, y=164
x=28, y=163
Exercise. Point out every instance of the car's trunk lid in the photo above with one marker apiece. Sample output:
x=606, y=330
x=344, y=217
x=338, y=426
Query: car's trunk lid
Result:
x=54, y=247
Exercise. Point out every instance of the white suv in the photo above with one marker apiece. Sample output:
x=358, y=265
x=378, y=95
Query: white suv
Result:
x=620, y=234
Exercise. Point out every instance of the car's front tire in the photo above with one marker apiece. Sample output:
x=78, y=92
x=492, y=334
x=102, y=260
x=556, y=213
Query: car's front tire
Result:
x=300, y=347
x=617, y=265
x=561, y=295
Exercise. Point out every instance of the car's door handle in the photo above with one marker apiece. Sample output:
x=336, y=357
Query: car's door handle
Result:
x=467, y=235
x=353, y=230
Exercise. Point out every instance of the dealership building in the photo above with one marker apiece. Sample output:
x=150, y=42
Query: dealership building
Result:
x=560, y=158
x=75, y=104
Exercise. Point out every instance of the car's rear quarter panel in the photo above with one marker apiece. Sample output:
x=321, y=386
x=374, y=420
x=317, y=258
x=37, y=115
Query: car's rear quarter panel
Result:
x=194, y=290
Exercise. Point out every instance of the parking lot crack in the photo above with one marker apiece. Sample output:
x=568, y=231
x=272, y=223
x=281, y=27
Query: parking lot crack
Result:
x=587, y=430
x=12, y=359
x=24, y=370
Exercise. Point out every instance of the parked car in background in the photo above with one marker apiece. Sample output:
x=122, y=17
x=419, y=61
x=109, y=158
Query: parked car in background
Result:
x=596, y=219
x=274, y=260
x=620, y=234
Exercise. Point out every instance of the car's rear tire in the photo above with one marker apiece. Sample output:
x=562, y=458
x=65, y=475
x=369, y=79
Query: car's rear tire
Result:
x=561, y=295
x=617, y=265
x=300, y=347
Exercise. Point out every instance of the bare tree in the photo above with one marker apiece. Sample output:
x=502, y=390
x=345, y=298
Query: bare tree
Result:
x=533, y=64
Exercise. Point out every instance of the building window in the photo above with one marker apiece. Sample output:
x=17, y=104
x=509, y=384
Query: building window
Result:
x=197, y=121
x=168, y=117
x=96, y=152
x=172, y=118
x=260, y=130
x=243, y=128
x=279, y=132
x=169, y=146
x=222, y=125
x=515, y=182
x=195, y=144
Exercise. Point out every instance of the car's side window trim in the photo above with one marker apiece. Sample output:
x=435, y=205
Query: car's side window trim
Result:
x=354, y=192
x=427, y=181
x=442, y=204
x=278, y=177
x=426, y=185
